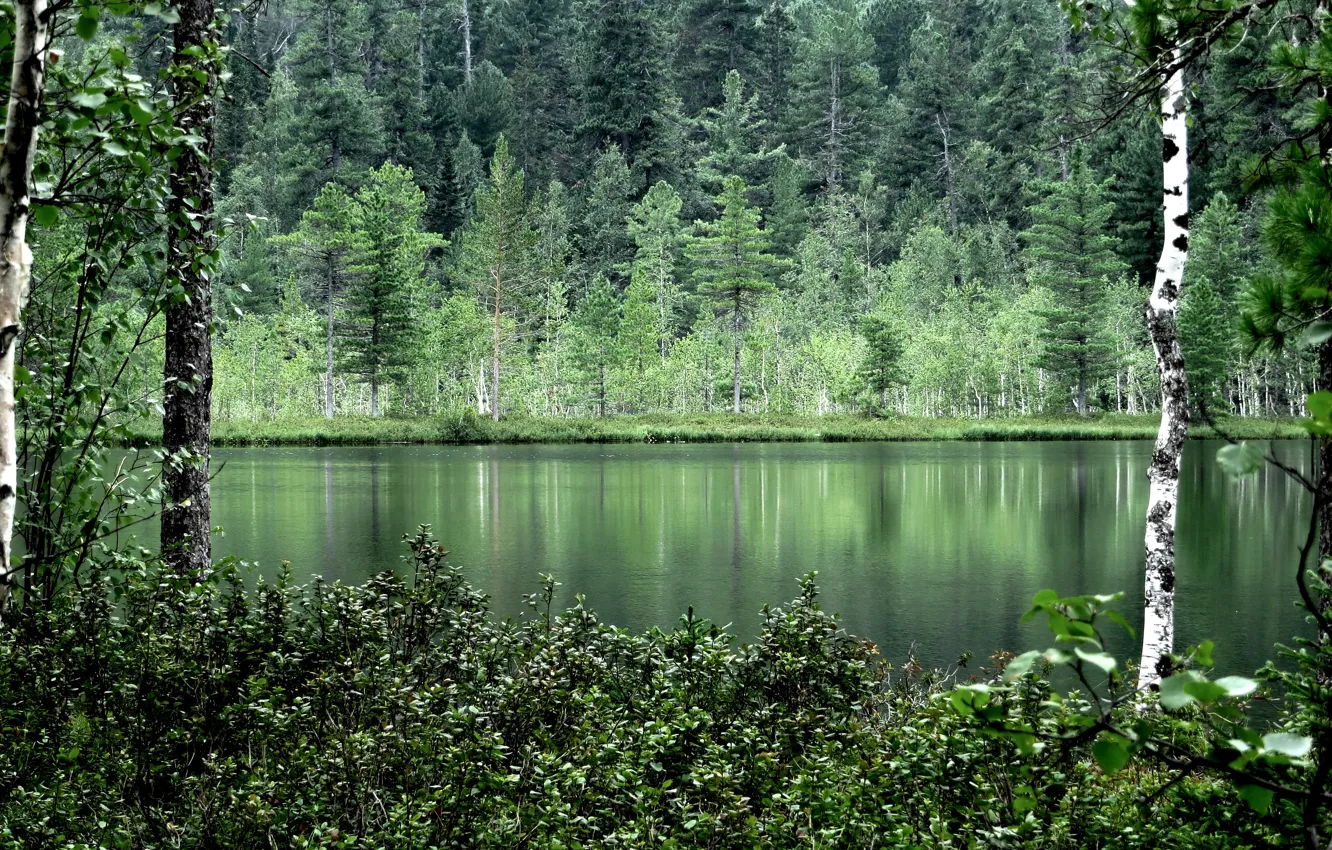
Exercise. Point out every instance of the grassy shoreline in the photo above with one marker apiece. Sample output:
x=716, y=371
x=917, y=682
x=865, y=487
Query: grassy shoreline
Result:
x=714, y=428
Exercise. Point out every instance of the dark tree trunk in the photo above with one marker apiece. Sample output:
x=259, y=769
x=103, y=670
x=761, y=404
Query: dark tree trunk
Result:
x=22, y=118
x=189, y=353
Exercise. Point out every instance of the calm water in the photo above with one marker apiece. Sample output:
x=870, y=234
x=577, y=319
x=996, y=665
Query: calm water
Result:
x=940, y=546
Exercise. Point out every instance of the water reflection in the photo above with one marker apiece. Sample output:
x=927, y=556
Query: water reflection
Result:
x=936, y=545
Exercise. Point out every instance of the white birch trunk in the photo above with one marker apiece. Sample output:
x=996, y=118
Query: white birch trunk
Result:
x=16, y=156
x=1158, y=631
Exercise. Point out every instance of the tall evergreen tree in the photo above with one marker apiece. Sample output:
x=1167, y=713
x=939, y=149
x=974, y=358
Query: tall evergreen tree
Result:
x=324, y=246
x=596, y=347
x=1206, y=339
x=659, y=236
x=736, y=139
x=496, y=257
x=836, y=95
x=1072, y=254
x=718, y=36
x=381, y=328
x=624, y=81
x=732, y=266
x=605, y=244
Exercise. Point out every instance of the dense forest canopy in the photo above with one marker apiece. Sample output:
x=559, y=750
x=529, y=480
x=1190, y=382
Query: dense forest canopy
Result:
x=574, y=207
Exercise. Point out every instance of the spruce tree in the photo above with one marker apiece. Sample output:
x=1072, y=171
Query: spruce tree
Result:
x=596, y=347
x=881, y=371
x=623, y=77
x=658, y=235
x=324, y=246
x=605, y=244
x=382, y=329
x=736, y=139
x=718, y=36
x=1071, y=252
x=835, y=101
x=1206, y=338
x=732, y=266
x=775, y=51
x=496, y=257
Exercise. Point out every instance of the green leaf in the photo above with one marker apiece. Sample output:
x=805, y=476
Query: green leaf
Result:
x=86, y=27
x=1237, y=686
x=141, y=111
x=1319, y=404
x=45, y=216
x=1204, y=692
x=1103, y=660
x=1294, y=746
x=1259, y=798
x=1173, y=694
x=1240, y=460
x=1317, y=333
x=1110, y=755
x=1203, y=653
x=88, y=99
x=1021, y=666
x=1118, y=619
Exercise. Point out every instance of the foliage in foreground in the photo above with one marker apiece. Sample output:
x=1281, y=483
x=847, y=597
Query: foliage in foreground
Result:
x=152, y=711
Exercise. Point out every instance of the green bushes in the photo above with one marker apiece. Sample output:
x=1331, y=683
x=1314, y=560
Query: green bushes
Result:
x=148, y=711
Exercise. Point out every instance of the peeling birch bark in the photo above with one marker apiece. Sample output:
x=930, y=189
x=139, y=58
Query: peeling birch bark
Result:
x=1158, y=631
x=27, y=78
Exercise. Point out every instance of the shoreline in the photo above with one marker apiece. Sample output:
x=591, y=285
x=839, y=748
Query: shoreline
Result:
x=713, y=428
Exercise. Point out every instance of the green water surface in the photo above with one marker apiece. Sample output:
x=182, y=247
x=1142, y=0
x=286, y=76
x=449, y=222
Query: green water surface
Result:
x=936, y=546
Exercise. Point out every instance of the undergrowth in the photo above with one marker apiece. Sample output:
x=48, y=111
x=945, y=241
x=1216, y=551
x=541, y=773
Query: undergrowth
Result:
x=152, y=711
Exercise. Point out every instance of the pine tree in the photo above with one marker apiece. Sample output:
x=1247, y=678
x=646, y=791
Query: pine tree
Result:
x=324, y=246
x=836, y=92
x=532, y=42
x=485, y=106
x=381, y=328
x=880, y=371
x=658, y=233
x=1207, y=341
x=496, y=257
x=605, y=244
x=736, y=139
x=640, y=327
x=1072, y=253
x=775, y=52
x=732, y=265
x=932, y=124
x=338, y=118
x=718, y=36
x=597, y=348
x=1217, y=250
x=623, y=77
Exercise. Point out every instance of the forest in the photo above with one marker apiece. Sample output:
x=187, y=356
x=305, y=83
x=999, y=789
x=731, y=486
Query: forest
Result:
x=997, y=245
x=912, y=207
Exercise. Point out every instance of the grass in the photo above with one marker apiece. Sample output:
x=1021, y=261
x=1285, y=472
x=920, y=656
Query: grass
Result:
x=713, y=428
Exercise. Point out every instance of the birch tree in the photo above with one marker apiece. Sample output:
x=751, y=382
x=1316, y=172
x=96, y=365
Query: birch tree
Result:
x=1158, y=629
x=22, y=116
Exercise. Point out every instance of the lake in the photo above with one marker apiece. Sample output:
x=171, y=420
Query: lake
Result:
x=936, y=546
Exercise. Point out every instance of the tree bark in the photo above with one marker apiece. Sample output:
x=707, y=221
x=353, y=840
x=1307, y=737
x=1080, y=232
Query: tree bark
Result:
x=328, y=349
x=190, y=243
x=27, y=78
x=467, y=41
x=735, y=389
x=1159, y=592
x=495, y=359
